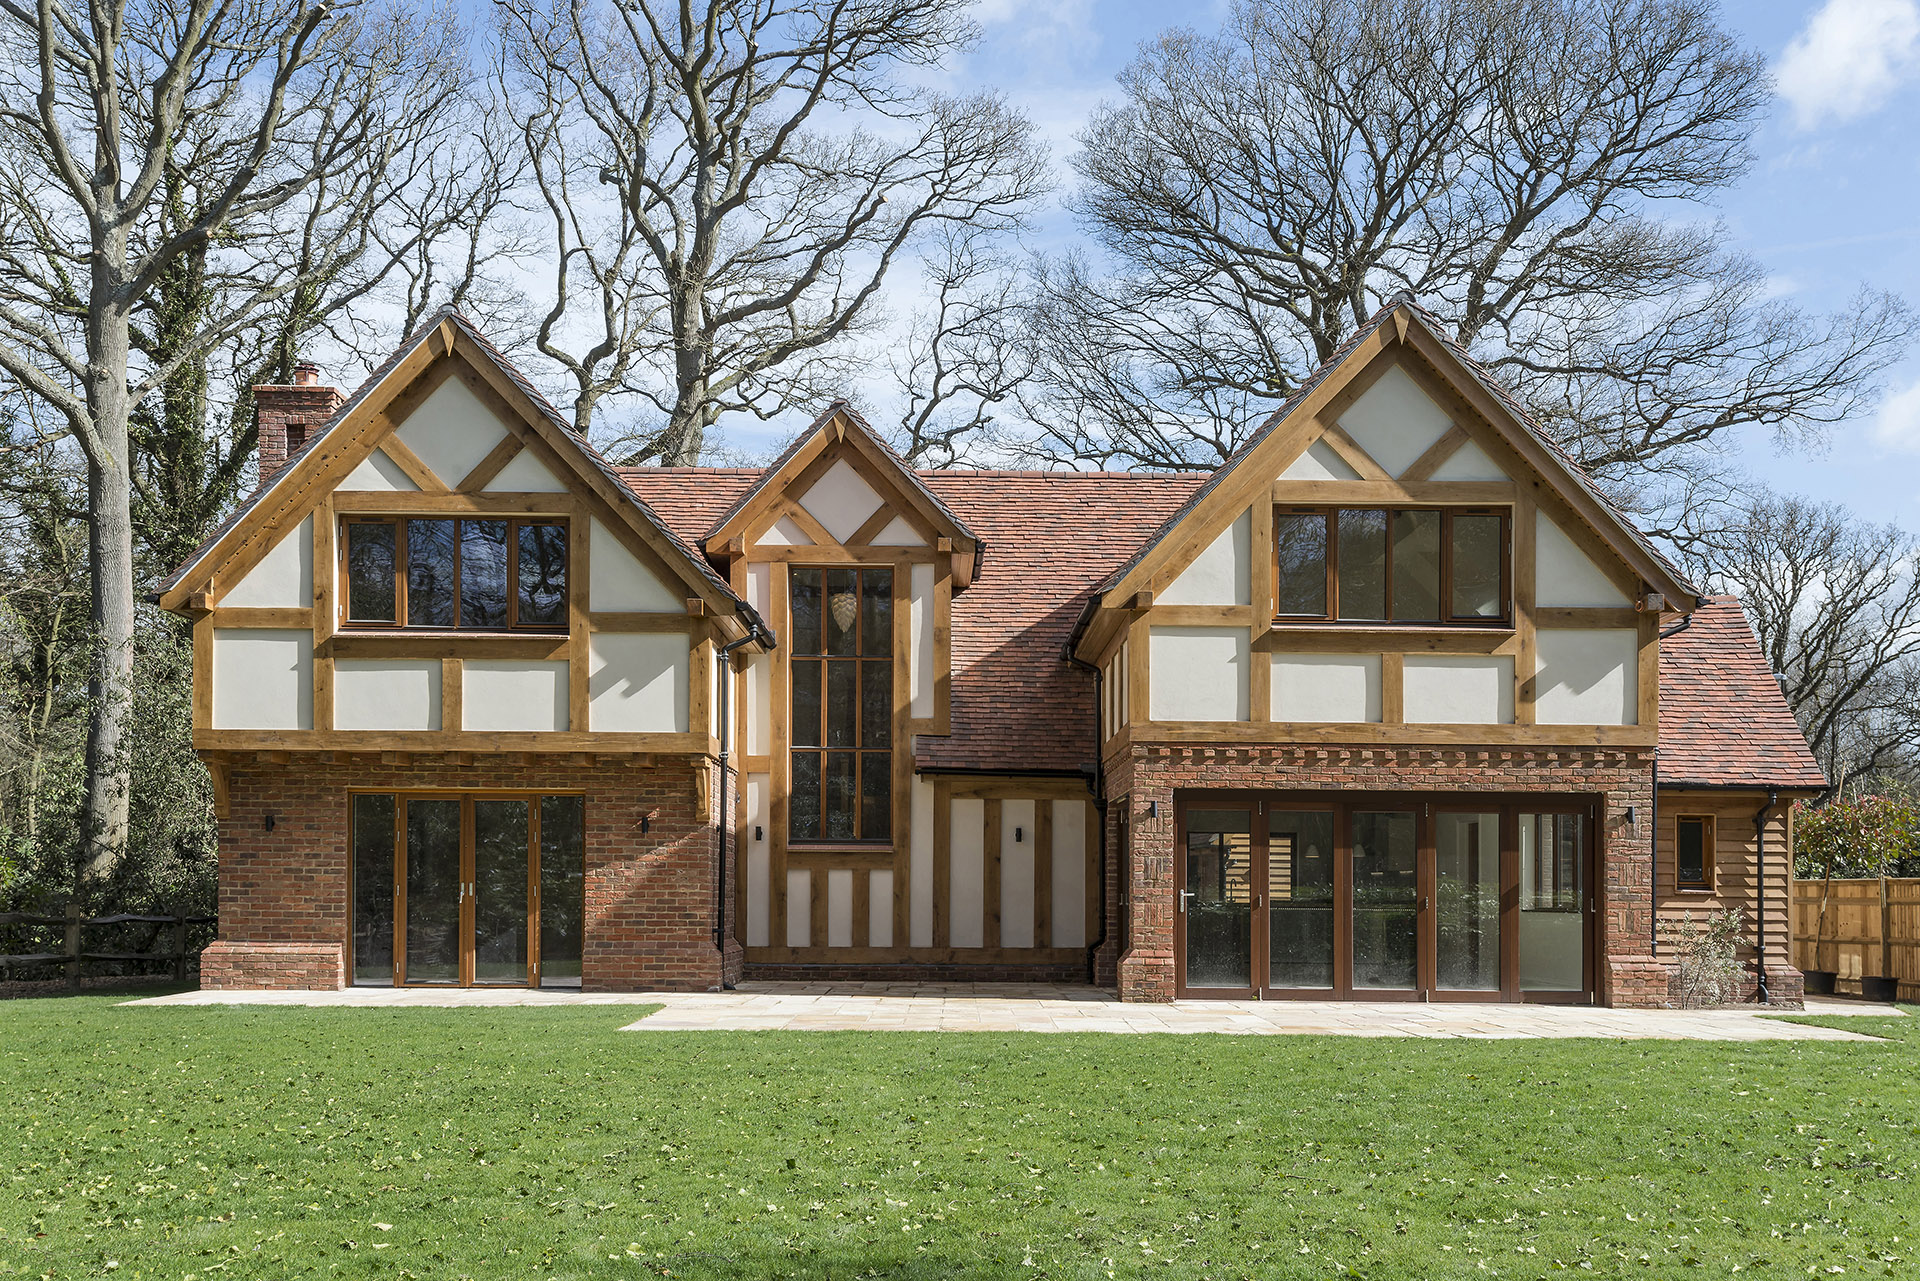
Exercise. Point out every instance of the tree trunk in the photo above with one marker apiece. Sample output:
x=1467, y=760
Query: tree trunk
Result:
x=686, y=433
x=110, y=544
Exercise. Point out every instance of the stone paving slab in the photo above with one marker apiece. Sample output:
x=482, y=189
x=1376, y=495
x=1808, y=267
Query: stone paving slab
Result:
x=1004, y=1007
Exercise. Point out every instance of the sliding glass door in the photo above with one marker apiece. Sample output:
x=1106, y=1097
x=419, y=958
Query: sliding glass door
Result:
x=466, y=890
x=1384, y=897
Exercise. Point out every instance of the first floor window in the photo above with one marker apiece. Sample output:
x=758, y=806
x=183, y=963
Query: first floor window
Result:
x=1391, y=565
x=1693, y=853
x=842, y=715
x=465, y=572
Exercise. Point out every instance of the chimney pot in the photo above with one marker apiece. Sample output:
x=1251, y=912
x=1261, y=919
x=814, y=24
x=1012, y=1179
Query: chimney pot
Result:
x=306, y=374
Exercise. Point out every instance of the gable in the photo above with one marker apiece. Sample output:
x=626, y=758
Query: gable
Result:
x=447, y=411
x=1400, y=416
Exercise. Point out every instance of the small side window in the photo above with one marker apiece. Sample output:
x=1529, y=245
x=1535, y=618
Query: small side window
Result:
x=1693, y=853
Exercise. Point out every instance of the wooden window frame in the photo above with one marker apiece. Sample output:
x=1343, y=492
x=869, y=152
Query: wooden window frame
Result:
x=1708, y=835
x=1504, y=620
x=348, y=623
x=860, y=753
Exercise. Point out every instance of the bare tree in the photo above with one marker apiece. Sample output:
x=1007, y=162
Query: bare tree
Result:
x=1835, y=603
x=1515, y=163
x=960, y=357
x=96, y=102
x=729, y=182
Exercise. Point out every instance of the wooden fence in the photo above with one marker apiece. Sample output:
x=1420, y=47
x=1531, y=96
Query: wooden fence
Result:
x=1857, y=928
x=166, y=941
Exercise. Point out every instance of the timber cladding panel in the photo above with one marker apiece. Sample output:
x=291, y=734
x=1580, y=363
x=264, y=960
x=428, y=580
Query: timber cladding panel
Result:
x=649, y=897
x=1144, y=778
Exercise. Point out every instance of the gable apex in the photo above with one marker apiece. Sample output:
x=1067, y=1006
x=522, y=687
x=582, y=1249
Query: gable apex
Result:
x=1400, y=324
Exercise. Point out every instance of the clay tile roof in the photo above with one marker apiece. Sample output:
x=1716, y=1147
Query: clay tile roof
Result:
x=1723, y=720
x=690, y=500
x=1050, y=538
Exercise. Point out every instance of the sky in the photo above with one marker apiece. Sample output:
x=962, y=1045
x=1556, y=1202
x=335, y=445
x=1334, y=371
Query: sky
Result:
x=1831, y=203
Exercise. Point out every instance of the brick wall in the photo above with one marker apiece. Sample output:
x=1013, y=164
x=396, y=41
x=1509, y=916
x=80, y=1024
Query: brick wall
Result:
x=649, y=898
x=1620, y=778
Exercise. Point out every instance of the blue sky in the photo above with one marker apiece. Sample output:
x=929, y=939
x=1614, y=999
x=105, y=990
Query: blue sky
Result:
x=1832, y=201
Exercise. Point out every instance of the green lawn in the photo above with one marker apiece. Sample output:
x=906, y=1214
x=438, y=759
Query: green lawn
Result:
x=249, y=1142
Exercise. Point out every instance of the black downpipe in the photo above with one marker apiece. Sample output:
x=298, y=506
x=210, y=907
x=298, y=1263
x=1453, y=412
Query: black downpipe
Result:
x=1097, y=786
x=1760, y=897
x=756, y=631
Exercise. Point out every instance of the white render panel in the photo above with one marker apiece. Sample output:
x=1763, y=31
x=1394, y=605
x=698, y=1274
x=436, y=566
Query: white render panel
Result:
x=756, y=691
x=283, y=578
x=799, y=910
x=1565, y=575
x=840, y=907
x=637, y=682
x=1458, y=689
x=1220, y=575
x=378, y=474
x=508, y=696
x=920, y=866
x=451, y=432
x=1069, y=874
x=784, y=533
x=1319, y=462
x=1016, y=874
x=920, y=641
x=618, y=583
x=879, y=908
x=1326, y=688
x=262, y=678
x=899, y=533
x=758, y=788
x=1197, y=673
x=1394, y=421
x=1470, y=462
x=966, y=873
x=526, y=474
x=386, y=693
x=1586, y=676
x=841, y=501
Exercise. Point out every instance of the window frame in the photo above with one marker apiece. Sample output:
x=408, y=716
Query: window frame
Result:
x=346, y=622
x=1708, y=835
x=860, y=753
x=1330, y=513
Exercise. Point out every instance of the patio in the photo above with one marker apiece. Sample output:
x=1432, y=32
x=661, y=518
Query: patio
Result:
x=998, y=1007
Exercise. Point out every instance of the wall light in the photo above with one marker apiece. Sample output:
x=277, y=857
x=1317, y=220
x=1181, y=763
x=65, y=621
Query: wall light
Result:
x=759, y=832
x=269, y=823
x=1018, y=835
x=1153, y=809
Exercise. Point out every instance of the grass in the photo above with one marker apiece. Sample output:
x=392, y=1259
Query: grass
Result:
x=258, y=1142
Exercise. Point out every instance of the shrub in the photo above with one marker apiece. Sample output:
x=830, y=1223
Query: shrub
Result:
x=1866, y=835
x=1709, y=973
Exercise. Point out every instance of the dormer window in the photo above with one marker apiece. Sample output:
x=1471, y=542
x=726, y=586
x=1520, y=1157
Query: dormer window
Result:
x=1444, y=566
x=455, y=574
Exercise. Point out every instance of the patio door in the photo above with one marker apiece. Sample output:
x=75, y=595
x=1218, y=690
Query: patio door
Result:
x=1388, y=897
x=467, y=890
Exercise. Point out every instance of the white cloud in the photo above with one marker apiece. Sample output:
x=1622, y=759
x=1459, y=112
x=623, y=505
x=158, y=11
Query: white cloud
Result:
x=1849, y=58
x=1897, y=425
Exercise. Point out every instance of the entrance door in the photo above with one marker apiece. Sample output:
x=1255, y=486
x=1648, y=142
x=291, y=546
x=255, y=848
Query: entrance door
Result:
x=476, y=890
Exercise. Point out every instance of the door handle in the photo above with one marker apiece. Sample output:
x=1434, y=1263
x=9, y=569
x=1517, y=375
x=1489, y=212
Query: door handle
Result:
x=1184, y=896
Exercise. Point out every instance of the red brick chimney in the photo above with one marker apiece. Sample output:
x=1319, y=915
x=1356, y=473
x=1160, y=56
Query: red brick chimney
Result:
x=286, y=415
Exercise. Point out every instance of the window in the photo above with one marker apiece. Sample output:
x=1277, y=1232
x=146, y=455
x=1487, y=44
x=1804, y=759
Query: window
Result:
x=1392, y=565
x=445, y=573
x=1693, y=853
x=842, y=719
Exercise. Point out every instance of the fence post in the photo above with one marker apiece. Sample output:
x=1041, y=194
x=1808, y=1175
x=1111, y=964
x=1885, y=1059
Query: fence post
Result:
x=73, y=945
x=179, y=945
